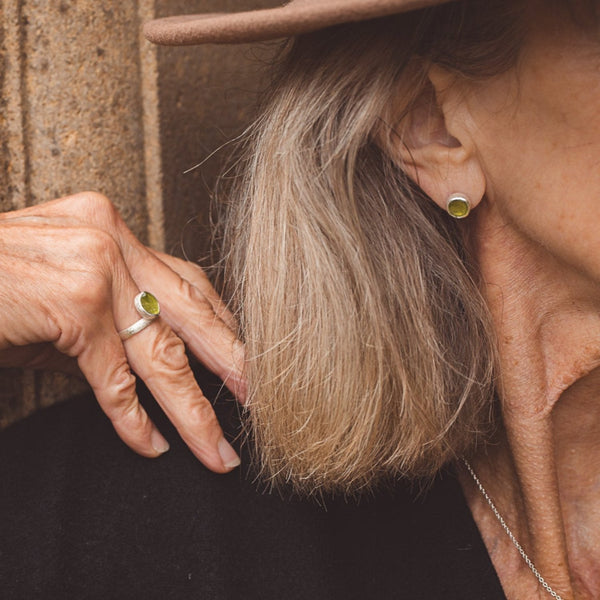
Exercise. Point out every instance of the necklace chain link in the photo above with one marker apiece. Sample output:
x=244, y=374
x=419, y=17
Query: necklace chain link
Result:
x=509, y=533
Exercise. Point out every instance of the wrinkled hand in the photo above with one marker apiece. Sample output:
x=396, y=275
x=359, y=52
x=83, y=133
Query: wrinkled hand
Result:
x=69, y=271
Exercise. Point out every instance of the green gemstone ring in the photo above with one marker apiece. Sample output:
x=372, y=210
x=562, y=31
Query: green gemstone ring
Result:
x=148, y=308
x=147, y=305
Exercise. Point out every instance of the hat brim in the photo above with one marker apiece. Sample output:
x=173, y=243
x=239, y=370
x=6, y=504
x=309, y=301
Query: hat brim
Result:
x=271, y=23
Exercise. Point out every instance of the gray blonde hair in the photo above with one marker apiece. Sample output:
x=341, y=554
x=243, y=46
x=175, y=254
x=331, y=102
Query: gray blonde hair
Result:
x=369, y=348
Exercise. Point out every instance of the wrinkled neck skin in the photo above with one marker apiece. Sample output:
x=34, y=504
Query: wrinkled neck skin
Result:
x=543, y=470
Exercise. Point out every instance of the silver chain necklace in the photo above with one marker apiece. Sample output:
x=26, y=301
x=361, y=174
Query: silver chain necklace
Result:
x=510, y=534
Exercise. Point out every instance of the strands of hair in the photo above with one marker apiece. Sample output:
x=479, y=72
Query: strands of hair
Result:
x=369, y=349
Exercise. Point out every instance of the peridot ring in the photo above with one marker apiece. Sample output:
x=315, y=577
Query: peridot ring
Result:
x=148, y=308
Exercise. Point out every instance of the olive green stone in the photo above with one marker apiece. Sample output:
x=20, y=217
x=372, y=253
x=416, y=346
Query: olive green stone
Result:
x=150, y=303
x=458, y=208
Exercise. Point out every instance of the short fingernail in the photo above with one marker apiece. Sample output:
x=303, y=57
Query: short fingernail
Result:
x=159, y=443
x=228, y=455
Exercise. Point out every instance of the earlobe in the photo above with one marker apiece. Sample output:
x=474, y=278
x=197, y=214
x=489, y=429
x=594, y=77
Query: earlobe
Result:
x=436, y=151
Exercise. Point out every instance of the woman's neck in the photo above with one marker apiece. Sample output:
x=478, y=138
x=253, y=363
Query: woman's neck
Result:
x=545, y=467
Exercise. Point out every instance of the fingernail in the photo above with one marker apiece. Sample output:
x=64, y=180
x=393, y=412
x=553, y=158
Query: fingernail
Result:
x=159, y=443
x=228, y=455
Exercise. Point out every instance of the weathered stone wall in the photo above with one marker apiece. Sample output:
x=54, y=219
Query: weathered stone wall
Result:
x=86, y=103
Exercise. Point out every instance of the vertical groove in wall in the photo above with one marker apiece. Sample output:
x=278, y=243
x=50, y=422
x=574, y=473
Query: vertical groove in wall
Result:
x=13, y=95
x=17, y=193
x=151, y=125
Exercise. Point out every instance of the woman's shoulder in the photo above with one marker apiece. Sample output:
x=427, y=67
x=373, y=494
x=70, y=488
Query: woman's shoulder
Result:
x=83, y=516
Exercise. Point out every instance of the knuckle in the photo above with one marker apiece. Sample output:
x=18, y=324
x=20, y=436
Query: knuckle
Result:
x=202, y=414
x=193, y=295
x=88, y=294
x=98, y=257
x=71, y=338
x=202, y=314
x=168, y=350
x=95, y=208
x=96, y=203
x=131, y=417
x=85, y=301
x=99, y=243
x=90, y=247
x=123, y=404
x=124, y=382
x=186, y=291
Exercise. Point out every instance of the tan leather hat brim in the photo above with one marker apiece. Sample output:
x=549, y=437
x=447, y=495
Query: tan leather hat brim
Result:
x=267, y=24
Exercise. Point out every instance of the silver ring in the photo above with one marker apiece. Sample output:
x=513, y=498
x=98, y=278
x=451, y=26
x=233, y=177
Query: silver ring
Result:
x=148, y=308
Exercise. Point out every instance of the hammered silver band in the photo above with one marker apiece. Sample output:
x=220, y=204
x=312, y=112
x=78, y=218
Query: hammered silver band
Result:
x=138, y=326
x=148, y=308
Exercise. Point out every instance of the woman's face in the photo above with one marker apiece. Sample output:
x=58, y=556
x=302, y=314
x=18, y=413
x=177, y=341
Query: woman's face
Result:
x=537, y=133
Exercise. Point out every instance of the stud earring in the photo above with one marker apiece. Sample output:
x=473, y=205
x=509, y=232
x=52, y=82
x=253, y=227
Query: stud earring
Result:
x=458, y=206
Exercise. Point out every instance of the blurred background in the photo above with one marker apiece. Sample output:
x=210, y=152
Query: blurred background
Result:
x=87, y=104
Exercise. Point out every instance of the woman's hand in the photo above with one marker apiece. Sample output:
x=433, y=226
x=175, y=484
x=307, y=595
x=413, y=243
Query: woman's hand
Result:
x=70, y=270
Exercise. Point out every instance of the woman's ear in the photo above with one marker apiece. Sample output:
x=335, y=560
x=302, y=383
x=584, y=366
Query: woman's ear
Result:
x=434, y=142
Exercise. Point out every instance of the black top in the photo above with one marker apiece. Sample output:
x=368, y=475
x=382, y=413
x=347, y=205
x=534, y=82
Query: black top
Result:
x=82, y=516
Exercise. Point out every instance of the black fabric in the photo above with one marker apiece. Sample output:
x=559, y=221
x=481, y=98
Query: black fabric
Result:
x=82, y=517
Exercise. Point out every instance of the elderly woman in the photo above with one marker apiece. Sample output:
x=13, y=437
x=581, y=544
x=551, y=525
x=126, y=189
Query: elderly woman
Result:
x=412, y=253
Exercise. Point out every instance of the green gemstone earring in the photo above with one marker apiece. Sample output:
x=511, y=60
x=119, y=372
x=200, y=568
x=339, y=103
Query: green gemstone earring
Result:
x=458, y=206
